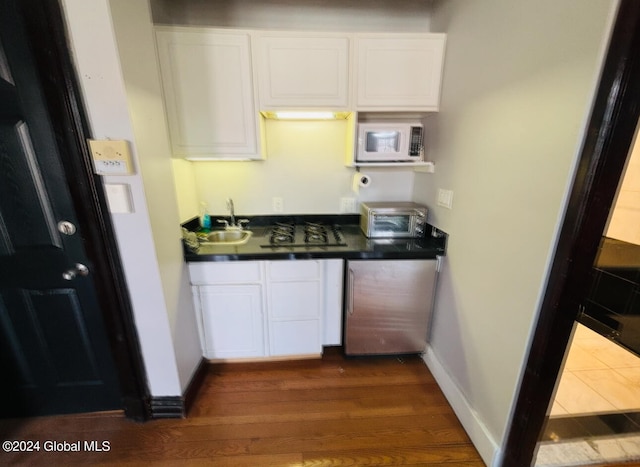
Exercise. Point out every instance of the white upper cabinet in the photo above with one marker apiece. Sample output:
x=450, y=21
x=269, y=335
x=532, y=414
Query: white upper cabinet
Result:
x=398, y=71
x=208, y=89
x=216, y=80
x=297, y=70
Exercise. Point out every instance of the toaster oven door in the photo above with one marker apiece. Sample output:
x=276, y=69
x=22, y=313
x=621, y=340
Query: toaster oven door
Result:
x=392, y=225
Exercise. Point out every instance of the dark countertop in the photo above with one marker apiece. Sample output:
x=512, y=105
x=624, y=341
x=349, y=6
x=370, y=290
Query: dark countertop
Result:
x=617, y=254
x=358, y=246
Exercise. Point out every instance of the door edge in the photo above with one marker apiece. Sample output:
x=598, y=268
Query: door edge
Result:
x=48, y=39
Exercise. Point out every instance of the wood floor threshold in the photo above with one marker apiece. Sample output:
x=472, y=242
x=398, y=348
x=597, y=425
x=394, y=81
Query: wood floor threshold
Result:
x=334, y=411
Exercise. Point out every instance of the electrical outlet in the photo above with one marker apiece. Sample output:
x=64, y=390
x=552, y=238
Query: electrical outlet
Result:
x=445, y=198
x=277, y=204
x=348, y=205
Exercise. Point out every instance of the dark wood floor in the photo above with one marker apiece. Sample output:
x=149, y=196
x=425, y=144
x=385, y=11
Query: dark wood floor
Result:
x=329, y=412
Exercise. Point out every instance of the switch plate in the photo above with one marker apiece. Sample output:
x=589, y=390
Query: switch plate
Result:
x=445, y=198
x=348, y=204
x=277, y=204
x=111, y=157
x=119, y=198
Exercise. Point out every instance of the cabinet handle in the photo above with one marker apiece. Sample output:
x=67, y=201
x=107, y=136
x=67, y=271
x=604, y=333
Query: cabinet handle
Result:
x=351, y=286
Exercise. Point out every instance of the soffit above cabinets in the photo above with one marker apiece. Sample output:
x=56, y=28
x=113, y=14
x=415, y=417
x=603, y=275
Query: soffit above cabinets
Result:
x=301, y=15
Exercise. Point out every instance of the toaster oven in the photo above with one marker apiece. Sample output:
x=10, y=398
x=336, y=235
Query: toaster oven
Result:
x=393, y=219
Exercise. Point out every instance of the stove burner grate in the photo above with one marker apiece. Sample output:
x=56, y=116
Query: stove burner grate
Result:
x=310, y=234
x=315, y=233
x=282, y=233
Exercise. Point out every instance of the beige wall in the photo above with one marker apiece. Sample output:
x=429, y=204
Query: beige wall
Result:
x=624, y=223
x=518, y=83
x=305, y=166
x=184, y=184
x=305, y=162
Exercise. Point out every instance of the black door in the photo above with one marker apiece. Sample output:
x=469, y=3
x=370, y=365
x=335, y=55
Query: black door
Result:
x=54, y=352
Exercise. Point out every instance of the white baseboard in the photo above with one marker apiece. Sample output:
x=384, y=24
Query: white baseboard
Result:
x=483, y=441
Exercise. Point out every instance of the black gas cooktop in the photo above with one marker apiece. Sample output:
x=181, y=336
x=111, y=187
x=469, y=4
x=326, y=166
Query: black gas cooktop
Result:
x=303, y=235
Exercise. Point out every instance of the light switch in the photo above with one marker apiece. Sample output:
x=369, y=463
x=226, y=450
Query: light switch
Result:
x=119, y=197
x=111, y=157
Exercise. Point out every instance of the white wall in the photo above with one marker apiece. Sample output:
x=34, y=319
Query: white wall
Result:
x=518, y=84
x=151, y=258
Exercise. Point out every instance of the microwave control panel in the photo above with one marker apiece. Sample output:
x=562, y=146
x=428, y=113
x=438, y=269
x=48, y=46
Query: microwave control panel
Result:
x=416, y=141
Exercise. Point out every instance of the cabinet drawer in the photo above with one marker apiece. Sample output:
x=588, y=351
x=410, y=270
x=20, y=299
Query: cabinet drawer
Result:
x=294, y=270
x=231, y=272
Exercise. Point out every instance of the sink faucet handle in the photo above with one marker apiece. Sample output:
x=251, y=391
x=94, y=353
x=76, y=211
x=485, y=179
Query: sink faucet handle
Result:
x=223, y=221
x=242, y=221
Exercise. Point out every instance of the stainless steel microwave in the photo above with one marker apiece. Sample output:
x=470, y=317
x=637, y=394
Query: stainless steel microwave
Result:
x=396, y=219
x=390, y=142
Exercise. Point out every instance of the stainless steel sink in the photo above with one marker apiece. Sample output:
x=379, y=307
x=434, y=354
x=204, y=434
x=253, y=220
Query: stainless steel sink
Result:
x=227, y=237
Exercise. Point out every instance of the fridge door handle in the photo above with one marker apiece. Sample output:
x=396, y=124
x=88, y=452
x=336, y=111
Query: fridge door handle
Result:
x=350, y=281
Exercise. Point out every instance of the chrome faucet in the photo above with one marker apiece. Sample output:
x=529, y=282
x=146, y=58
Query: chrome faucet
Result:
x=231, y=212
x=233, y=224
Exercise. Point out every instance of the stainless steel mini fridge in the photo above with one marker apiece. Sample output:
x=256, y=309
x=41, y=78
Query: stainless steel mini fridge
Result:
x=388, y=306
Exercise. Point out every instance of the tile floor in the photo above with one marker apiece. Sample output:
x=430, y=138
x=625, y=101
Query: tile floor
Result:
x=599, y=376
x=595, y=417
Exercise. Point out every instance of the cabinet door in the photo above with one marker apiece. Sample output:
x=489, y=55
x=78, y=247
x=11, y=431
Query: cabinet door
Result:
x=208, y=87
x=399, y=72
x=303, y=71
x=294, y=338
x=295, y=300
x=232, y=321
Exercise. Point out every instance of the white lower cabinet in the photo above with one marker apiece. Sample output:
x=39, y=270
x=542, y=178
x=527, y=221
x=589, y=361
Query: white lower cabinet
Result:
x=295, y=304
x=232, y=321
x=252, y=309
